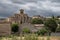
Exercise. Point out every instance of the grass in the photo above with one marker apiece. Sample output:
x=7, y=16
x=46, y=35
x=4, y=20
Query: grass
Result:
x=30, y=37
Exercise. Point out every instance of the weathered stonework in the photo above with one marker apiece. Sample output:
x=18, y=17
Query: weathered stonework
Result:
x=20, y=18
x=5, y=29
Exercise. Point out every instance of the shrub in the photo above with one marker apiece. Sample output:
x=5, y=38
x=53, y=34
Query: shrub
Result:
x=31, y=37
x=14, y=28
x=48, y=38
x=36, y=21
x=42, y=32
x=26, y=30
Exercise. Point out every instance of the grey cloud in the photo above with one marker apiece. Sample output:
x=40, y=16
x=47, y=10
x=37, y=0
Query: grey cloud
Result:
x=25, y=1
x=32, y=7
x=58, y=1
x=7, y=10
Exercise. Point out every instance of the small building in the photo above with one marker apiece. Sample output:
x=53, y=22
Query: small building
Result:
x=39, y=26
x=37, y=16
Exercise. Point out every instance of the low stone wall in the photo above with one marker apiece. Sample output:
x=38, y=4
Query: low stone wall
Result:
x=55, y=34
x=5, y=29
x=33, y=28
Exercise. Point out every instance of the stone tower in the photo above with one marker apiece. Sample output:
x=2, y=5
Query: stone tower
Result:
x=21, y=11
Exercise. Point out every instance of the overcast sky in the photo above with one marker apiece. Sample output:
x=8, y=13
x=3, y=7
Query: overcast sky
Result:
x=31, y=7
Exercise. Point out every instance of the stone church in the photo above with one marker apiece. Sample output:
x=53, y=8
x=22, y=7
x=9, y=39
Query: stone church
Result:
x=20, y=18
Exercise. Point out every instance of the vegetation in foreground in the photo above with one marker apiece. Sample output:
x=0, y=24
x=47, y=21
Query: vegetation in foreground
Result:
x=29, y=37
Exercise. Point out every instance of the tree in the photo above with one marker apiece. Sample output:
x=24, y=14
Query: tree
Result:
x=26, y=30
x=36, y=21
x=15, y=28
x=51, y=25
x=58, y=16
x=58, y=29
x=58, y=21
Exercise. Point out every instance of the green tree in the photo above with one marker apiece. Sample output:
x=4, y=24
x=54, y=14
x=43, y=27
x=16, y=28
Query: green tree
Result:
x=51, y=25
x=26, y=30
x=14, y=28
x=36, y=21
x=58, y=29
x=58, y=21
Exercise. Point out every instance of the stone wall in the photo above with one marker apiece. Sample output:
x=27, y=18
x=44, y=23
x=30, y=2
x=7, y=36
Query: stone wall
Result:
x=5, y=29
x=33, y=28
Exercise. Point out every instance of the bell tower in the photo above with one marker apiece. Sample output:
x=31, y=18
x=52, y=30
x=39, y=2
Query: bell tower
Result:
x=21, y=11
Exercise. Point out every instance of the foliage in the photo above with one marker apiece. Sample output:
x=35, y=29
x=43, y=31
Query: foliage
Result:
x=58, y=29
x=58, y=21
x=36, y=21
x=26, y=30
x=48, y=38
x=42, y=32
x=58, y=16
x=15, y=28
x=31, y=37
x=51, y=25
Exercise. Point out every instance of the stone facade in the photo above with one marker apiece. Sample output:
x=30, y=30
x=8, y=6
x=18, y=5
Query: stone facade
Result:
x=5, y=28
x=20, y=18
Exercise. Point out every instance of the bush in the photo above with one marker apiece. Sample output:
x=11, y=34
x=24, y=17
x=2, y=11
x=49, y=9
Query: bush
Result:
x=42, y=32
x=36, y=21
x=31, y=37
x=14, y=28
x=26, y=30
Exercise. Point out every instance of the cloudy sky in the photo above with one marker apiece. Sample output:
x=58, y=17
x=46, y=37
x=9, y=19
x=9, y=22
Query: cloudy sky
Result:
x=31, y=7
